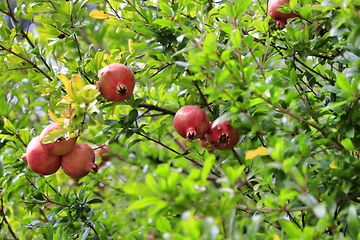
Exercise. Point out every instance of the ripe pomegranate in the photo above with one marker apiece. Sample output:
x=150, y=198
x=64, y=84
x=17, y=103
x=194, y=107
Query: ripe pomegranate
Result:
x=61, y=146
x=40, y=161
x=191, y=122
x=116, y=82
x=79, y=162
x=223, y=136
x=279, y=17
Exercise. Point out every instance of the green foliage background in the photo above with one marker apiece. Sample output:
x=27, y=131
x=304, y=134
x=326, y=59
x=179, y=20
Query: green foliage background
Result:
x=293, y=94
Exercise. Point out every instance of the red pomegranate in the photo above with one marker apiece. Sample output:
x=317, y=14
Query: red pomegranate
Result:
x=223, y=136
x=40, y=161
x=116, y=82
x=79, y=162
x=61, y=146
x=279, y=17
x=191, y=122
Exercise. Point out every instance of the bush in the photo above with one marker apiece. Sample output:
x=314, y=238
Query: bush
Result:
x=293, y=95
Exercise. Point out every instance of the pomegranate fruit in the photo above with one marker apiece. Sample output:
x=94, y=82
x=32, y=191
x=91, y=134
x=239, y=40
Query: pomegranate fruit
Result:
x=61, y=146
x=223, y=136
x=279, y=17
x=191, y=122
x=116, y=82
x=39, y=160
x=79, y=162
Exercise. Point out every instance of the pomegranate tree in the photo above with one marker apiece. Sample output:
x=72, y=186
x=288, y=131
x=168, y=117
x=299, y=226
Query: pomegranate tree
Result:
x=39, y=160
x=61, y=146
x=223, y=136
x=79, y=162
x=279, y=17
x=116, y=82
x=191, y=122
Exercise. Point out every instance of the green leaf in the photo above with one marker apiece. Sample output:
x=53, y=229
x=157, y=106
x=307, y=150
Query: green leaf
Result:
x=133, y=142
x=163, y=224
x=138, y=204
x=49, y=233
x=9, y=126
x=85, y=233
x=132, y=116
x=293, y=76
x=290, y=228
x=1, y=166
x=343, y=83
x=161, y=130
x=207, y=167
x=353, y=221
x=95, y=200
x=320, y=210
x=292, y=4
x=348, y=144
x=165, y=23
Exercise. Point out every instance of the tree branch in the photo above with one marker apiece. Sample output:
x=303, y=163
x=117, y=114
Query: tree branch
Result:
x=160, y=109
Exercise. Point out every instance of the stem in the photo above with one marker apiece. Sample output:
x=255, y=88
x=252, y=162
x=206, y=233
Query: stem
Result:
x=26, y=60
x=172, y=150
x=201, y=93
x=269, y=210
x=2, y=213
x=160, y=109
x=134, y=7
x=312, y=115
x=162, y=68
x=335, y=141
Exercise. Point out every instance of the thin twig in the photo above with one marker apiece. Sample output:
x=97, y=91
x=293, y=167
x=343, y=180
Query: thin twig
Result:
x=27, y=60
x=157, y=108
x=312, y=115
x=134, y=7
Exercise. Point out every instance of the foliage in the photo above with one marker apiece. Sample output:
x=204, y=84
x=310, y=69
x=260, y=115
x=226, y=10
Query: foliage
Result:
x=293, y=94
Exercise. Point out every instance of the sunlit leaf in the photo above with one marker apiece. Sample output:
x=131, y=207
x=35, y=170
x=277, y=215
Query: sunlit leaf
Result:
x=130, y=44
x=99, y=14
x=55, y=118
x=261, y=151
x=77, y=82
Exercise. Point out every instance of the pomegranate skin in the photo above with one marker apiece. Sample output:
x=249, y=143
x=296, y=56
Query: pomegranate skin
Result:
x=191, y=122
x=79, y=162
x=116, y=82
x=60, y=146
x=279, y=17
x=40, y=161
x=223, y=136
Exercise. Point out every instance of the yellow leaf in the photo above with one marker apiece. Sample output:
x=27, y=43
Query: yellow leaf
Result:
x=120, y=57
x=105, y=60
x=64, y=79
x=55, y=118
x=46, y=91
x=99, y=14
x=70, y=91
x=78, y=82
x=276, y=237
x=67, y=85
x=261, y=151
x=67, y=99
x=130, y=43
x=332, y=165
